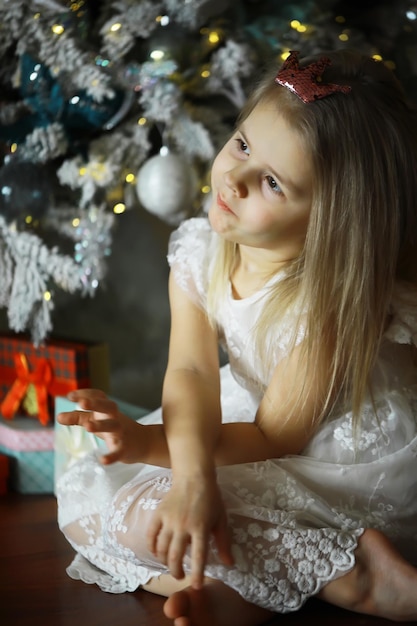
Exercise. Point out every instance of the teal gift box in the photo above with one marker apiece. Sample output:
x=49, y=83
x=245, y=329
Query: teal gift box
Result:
x=29, y=447
x=72, y=443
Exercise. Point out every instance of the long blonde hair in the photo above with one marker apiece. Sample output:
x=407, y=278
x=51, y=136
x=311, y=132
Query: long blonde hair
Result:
x=362, y=232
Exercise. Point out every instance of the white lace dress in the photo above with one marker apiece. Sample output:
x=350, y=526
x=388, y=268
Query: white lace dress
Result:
x=296, y=520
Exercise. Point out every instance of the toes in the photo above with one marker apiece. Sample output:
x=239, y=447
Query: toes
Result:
x=178, y=606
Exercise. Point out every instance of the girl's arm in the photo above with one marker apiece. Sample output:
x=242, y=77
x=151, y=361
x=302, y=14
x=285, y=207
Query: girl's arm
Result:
x=193, y=509
x=191, y=390
x=279, y=428
x=287, y=416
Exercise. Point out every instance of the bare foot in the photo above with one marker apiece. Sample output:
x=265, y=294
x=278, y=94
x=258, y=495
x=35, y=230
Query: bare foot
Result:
x=382, y=583
x=213, y=605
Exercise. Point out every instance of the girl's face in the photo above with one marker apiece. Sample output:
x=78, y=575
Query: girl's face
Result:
x=261, y=183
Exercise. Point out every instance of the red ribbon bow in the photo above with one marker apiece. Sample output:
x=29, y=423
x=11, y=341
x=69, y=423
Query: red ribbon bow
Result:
x=40, y=378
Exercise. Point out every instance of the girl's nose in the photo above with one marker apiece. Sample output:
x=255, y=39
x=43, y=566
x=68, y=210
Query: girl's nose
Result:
x=234, y=179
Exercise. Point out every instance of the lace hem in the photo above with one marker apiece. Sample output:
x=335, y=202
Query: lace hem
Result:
x=82, y=569
x=284, y=584
x=281, y=595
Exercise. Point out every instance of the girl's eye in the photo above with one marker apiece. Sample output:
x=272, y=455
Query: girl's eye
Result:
x=242, y=146
x=272, y=184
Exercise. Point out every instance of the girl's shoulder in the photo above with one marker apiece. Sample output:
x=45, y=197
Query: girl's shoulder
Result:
x=403, y=325
x=191, y=242
x=193, y=229
x=190, y=255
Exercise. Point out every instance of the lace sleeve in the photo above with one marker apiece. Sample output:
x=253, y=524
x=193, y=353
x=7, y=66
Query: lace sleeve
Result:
x=403, y=327
x=190, y=253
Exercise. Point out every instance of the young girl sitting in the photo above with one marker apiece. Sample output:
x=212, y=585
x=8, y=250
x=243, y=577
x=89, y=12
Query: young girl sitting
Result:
x=291, y=471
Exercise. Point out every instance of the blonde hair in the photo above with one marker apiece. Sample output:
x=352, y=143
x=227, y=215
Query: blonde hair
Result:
x=362, y=230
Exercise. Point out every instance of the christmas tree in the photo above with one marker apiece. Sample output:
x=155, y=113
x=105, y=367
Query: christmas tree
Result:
x=115, y=104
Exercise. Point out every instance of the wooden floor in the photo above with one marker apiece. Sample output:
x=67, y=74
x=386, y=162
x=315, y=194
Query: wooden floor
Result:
x=36, y=591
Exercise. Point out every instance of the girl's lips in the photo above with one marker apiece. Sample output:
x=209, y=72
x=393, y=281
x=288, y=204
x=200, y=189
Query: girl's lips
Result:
x=223, y=205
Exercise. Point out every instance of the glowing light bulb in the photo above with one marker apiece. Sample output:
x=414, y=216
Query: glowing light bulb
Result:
x=119, y=208
x=213, y=37
x=57, y=29
x=163, y=20
x=157, y=55
x=115, y=27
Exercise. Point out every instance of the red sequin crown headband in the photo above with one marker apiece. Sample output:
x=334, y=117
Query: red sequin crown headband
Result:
x=305, y=82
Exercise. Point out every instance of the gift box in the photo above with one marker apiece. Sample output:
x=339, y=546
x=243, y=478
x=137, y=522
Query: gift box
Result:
x=72, y=443
x=29, y=448
x=32, y=376
x=4, y=473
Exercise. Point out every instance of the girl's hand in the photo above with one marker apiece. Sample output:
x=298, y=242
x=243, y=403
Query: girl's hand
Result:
x=125, y=438
x=189, y=513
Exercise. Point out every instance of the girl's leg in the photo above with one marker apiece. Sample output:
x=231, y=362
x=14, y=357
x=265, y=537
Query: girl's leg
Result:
x=381, y=584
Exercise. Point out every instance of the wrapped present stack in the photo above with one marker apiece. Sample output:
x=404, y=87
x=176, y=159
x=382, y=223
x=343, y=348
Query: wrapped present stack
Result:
x=31, y=378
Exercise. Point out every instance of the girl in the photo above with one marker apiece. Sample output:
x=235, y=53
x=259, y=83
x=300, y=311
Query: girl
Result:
x=306, y=272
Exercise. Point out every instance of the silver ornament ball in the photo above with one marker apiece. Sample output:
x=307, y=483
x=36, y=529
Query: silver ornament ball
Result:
x=165, y=186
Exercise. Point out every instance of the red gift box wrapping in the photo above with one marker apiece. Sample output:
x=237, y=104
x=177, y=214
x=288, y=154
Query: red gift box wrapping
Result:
x=56, y=368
